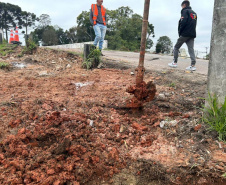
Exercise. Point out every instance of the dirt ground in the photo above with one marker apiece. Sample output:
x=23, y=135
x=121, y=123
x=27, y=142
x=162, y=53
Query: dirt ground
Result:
x=61, y=124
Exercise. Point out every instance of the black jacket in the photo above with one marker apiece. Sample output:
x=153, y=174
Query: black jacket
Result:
x=187, y=23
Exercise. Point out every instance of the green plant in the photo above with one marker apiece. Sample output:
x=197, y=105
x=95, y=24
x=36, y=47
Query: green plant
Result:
x=215, y=116
x=6, y=48
x=4, y=65
x=31, y=46
x=172, y=85
x=20, y=55
x=92, y=59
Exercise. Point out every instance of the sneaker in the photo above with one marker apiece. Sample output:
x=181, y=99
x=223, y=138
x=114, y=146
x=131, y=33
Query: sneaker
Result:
x=191, y=68
x=174, y=65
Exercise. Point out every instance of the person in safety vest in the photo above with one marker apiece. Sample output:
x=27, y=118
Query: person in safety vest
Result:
x=187, y=34
x=98, y=20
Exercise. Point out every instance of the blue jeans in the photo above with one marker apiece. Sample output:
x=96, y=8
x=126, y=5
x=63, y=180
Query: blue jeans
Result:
x=100, y=32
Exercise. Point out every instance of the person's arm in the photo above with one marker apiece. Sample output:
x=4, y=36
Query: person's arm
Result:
x=91, y=16
x=183, y=21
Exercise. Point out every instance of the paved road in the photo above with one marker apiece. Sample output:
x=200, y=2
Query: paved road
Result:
x=159, y=63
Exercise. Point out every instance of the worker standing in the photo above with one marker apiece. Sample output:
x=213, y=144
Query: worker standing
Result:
x=98, y=20
x=187, y=34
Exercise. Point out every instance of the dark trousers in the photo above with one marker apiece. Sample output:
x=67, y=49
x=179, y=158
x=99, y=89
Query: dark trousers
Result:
x=190, y=43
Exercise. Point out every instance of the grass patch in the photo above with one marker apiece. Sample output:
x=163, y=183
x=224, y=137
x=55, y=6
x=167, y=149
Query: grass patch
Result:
x=215, y=116
x=6, y=49
x=4, y=65
x=172, y=85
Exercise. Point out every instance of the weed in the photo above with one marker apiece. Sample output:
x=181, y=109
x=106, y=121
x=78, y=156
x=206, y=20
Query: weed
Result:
x=215, y=116
x=4, y=65
x=20, y=55
x=31, y=46
x=172, y=85
x=92, y=59
x=6, y=49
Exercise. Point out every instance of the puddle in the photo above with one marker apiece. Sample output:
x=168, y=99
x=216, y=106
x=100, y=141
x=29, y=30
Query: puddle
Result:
x=80, y=85
x=19, y=65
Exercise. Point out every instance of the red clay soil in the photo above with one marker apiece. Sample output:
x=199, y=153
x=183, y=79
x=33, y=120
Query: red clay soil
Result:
x=61, y=124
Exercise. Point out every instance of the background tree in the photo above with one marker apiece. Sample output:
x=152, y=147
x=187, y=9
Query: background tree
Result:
x=164, y=45
x=44, y=20
x=49, y=36
x=84, y=30
x=10, y=17
x=124, y=30
x=28, y=20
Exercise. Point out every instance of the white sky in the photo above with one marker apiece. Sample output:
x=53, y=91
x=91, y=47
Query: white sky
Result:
x=164, y=14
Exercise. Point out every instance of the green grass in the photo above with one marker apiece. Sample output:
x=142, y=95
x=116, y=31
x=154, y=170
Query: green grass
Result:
x=6, y=49
x=4, y=65
x=172, y=85
x=215, y=116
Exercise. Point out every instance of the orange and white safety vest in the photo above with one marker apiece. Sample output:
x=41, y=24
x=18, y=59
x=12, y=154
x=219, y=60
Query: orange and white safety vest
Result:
x=95, y=13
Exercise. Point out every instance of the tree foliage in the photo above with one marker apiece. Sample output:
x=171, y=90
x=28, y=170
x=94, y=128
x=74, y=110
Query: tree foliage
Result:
x=123, y=33
x=49, y=36
x=164, y=45
x=44, y=20
x=10, y=16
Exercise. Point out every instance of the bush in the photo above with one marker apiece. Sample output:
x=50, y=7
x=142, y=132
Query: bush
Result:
x=215, y=116
x=30, y=48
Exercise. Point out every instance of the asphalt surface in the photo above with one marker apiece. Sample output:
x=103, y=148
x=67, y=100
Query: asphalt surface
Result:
x=155, y=61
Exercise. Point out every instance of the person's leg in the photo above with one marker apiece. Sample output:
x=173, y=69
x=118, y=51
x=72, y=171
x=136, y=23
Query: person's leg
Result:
x=103, y=33
x=190, y=44
x=97, y=34
x=178, y=45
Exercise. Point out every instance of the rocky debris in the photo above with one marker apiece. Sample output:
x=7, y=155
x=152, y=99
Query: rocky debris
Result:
x=43, y=73
x=168, y=123
x=19, y=65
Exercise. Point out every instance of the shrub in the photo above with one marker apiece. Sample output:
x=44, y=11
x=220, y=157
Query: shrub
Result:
x=30, y=48
x=215, y=116
x=92, y=60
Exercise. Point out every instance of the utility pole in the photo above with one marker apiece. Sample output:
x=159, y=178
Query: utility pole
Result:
x=217, y=65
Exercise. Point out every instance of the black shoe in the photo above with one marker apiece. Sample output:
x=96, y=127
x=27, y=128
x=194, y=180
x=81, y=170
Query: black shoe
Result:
x=101, y=53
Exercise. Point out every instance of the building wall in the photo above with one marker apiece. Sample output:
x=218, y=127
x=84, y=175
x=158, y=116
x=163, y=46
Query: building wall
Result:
x=217, y=66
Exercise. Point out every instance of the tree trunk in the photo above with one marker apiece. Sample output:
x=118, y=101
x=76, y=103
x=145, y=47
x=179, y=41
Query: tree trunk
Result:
x=6, y=34
x=217, y=65
x=1, y=40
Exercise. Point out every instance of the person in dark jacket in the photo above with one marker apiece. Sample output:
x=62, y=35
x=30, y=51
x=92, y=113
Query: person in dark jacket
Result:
x=187, y=34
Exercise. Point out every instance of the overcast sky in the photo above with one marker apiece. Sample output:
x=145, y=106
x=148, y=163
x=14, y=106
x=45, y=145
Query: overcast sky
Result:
x=164, y=14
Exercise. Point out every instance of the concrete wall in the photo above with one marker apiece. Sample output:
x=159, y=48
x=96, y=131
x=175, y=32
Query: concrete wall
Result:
x=75, y=45
x=217, y=66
